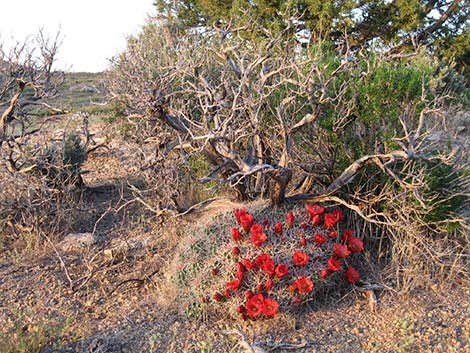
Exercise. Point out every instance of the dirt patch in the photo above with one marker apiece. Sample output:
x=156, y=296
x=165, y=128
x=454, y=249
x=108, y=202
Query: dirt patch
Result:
x=129, y=319
x=105, y=297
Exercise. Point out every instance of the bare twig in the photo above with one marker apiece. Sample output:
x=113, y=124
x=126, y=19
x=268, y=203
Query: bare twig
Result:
x=66, y=272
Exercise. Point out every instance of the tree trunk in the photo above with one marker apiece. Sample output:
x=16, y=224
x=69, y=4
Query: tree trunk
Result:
x=240, y=192
x=281, y=178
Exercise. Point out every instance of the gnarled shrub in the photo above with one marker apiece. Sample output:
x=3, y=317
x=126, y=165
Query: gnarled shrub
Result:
x=319, y=123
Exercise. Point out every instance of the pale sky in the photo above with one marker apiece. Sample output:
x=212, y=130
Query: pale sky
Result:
x=92, y=31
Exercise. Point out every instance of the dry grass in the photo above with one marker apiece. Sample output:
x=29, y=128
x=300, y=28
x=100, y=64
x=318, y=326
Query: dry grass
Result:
x=426, y=259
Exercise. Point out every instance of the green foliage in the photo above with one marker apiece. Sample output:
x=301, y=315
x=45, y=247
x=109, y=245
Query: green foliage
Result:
x=456, y=50
x=107, y=113
x=363, y=22
x=377, y=93
x=198, y=166
x=444, y=193
x=380, y=99
x=193, y=13
x=74, y=155
x=61, y=162
x=36, y=338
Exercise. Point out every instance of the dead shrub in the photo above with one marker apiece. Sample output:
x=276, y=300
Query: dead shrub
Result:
x=40, y=198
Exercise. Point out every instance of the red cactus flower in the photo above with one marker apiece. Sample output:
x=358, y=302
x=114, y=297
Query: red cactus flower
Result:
x=266, y=224
x=253, y=309
x=304, y=285
x=316, y=220
x=281, y=270
x=269, y=284
x=324, y=273
x=215, y=271
x=319, y=239
x=269, y=267
x=314, y=210
x=227, y=293
x=300, y=258
x=240, y=266
x=260, y=287
x=338, y=214
x=248, y=294
x=278, y=228
x=240, y=275
x=333, y=234
x=258, y=238
x=218, y=297
x=330, y=220
x=248, y=264
x=234, y=285
x=246, y=221
x=303, y=242
x=258, y=299
x=303, y=225
x=241, y=309
x=236, y=250
x=290, y=219
x=261, y=259
x=356, y=245
x=352, y=275
x=341, y=251
x=239, y=212
x=348, y=234
x=296, y=301
x=236, y=234
x=256, y=228
x=270, y=307
x=334, y=264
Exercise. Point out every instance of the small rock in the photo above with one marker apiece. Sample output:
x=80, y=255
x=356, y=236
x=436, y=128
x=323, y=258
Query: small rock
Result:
x=120, y=249
x=460, y=129
x=77, y=241
x=435, y=137
x=88, y=89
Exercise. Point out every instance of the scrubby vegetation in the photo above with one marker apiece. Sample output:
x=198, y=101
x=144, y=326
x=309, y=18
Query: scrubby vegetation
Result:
x=332, y=125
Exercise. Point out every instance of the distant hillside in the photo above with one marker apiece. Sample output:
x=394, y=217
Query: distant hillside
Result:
x=80, y=90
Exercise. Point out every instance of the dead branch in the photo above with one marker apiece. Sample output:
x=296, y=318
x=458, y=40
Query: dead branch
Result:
x=94, y=148
x=454, y=7
x=140, y=281
x=375, y=218
x=62, y=263
x=21, y=71
x=379, y=159
x=227, y=109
